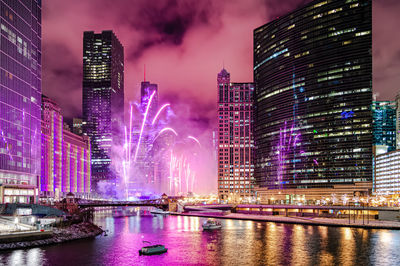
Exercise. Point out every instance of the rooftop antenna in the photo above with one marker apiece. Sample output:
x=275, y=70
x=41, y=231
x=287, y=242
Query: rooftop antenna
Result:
x=144, y=72
x=223, y=64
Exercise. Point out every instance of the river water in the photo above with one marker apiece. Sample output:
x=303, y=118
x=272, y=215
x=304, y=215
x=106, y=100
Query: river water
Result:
x=237, y=243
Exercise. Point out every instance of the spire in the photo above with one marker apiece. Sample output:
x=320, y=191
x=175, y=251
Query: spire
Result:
x=144, y=72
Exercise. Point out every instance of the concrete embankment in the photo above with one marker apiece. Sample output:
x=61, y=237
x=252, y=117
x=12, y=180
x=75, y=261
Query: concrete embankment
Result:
x=57, y=235
x=371, y=224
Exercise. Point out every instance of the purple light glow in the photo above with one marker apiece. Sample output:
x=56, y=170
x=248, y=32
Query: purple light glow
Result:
x=159, y=112
x=286, y=147
x=166, y=129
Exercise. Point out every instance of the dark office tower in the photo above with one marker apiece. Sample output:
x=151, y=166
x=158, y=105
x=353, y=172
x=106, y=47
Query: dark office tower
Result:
x=20, y=99
x=313, y=75
x=103, y=98
x=235, y=139
x=384, y=125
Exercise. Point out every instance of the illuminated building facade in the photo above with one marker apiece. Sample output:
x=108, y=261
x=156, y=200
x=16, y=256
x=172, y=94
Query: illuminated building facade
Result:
x=384, y=124
x=387, y=173
x=103, y=98
x=20, y=90
x=398, y=121
x=313, y=76
x=235, y=139
x=65, y=156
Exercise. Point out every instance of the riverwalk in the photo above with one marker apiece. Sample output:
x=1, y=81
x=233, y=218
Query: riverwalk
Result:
x=318, y=221
x=55, y=236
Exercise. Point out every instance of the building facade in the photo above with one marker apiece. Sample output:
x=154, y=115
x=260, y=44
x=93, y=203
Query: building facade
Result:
x=398, y=121
x=235, y=139
x=103, y=99
x=387, y=174
x=20, y=96
x=384, y=125
x=313, y=77
x=65, y=159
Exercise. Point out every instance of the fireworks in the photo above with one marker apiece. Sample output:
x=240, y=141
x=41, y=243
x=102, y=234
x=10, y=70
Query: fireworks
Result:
x=179, y=177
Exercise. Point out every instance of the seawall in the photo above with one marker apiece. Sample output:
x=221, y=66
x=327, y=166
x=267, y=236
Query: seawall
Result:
x=371, y=224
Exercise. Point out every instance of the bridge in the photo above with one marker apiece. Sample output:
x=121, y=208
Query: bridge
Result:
x=159, y=203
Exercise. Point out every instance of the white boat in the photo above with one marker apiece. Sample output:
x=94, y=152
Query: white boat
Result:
x=159, y=211
x=211, y=224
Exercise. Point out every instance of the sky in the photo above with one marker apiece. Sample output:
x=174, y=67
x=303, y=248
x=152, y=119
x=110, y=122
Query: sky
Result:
x=184, y=44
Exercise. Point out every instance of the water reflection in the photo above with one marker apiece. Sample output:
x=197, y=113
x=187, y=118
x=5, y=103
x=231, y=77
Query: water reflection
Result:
x=237, y=243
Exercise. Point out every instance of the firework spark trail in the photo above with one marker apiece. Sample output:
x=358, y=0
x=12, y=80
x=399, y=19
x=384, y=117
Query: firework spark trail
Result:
x=196, y=140
x=163, y=130
x=126, y=143
x=124, y=162
x=170, y=173
x=130, y=136
x=143, y=123
x=296, y=139
x=159, y=112
x=290, y=139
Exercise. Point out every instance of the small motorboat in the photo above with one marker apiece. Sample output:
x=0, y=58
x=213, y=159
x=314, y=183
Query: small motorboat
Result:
x=211, y=224
x=159, y=211
x=152, y=250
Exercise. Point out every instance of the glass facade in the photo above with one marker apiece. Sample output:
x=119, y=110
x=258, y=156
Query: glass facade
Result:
x=387, y=175
x=313, y=96
x=103, y=98
x=20, y=94
x=235, y=139
x=384, y=124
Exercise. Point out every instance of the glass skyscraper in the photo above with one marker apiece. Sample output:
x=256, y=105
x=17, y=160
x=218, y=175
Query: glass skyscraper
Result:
x=20, y=99
x=103, y=98
x=313, y=75
x=384, y=124
x=235, y=139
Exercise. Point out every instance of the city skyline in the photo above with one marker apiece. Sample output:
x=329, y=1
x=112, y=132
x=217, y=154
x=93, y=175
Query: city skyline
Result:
x=183, y=132
x=176, y=38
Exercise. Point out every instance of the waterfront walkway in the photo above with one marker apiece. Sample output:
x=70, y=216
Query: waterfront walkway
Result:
x=371, y=224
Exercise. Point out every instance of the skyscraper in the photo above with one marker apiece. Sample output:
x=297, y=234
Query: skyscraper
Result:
x=146, y=90
x=313, y=123
x=384, y=125
x=103, y=98
x=20, y=99
x=143, y=179
x=235, y=139
x=398, y=121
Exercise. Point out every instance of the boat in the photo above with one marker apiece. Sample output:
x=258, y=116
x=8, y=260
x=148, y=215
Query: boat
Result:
x=152, y=250
x=211, y=224
x=159, y=211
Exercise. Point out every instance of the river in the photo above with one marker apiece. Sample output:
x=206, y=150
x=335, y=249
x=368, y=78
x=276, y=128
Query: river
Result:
x=237, y=243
